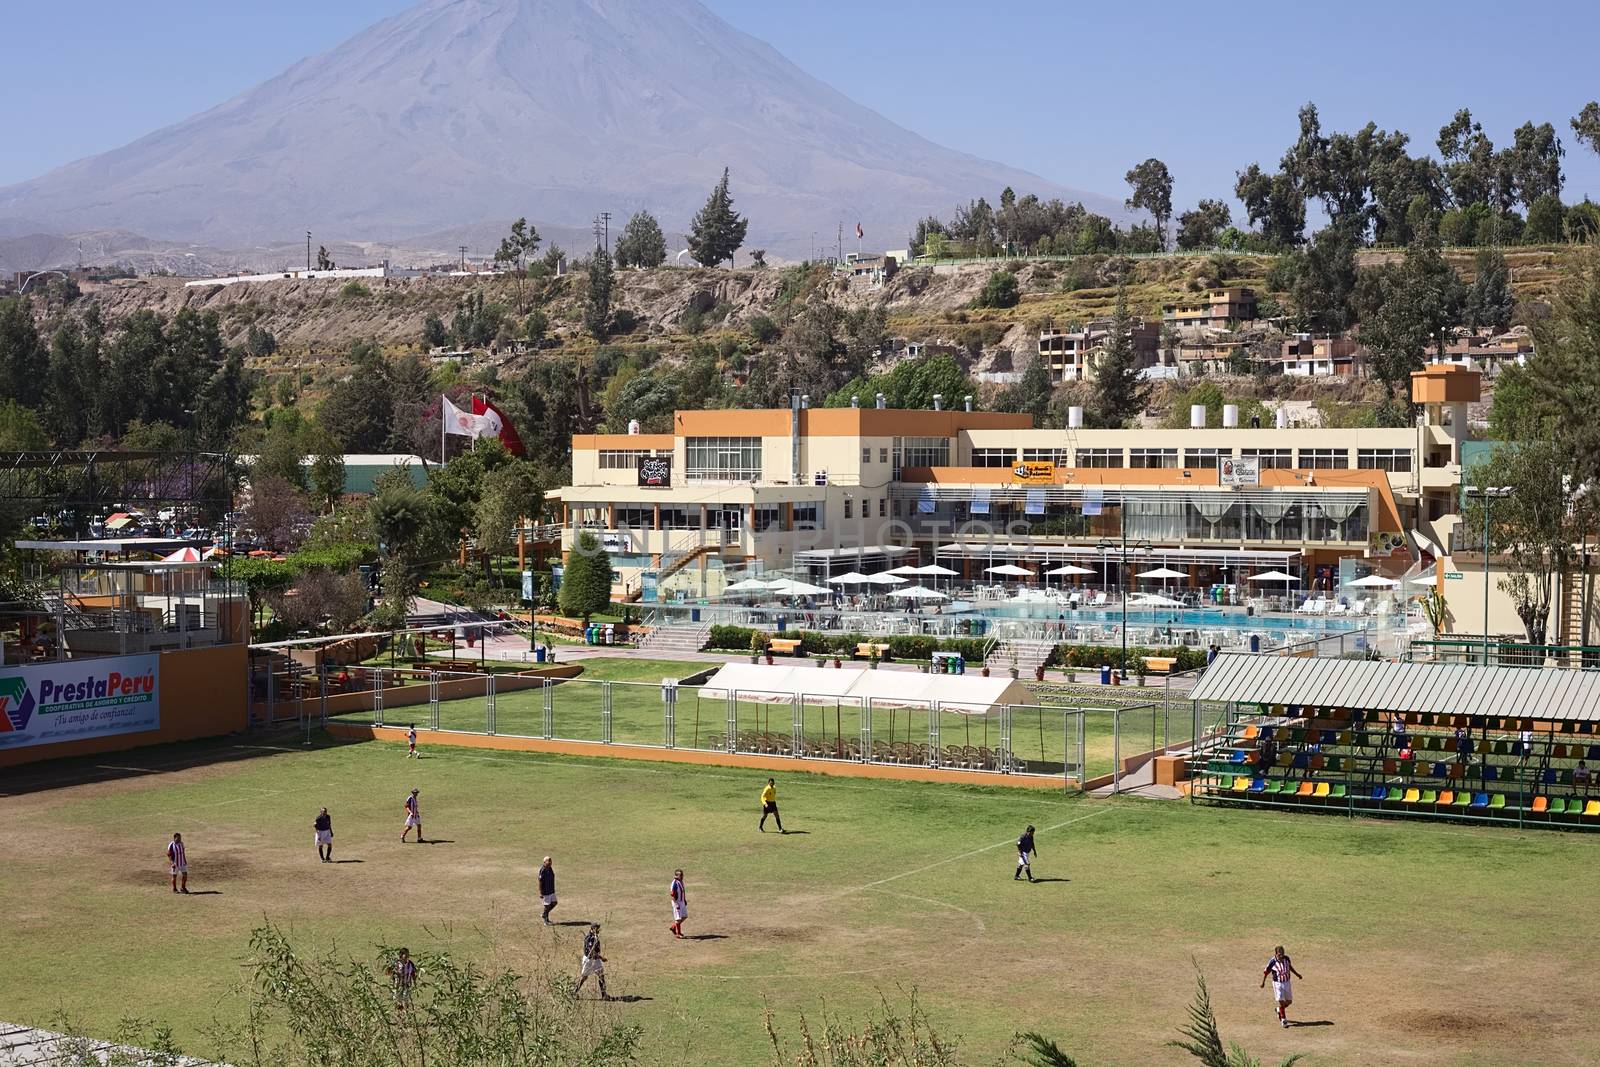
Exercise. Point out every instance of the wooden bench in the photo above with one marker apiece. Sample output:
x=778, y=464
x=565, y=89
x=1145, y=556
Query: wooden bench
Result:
x=866, y=649
x=1160, y=664
x=789, y=646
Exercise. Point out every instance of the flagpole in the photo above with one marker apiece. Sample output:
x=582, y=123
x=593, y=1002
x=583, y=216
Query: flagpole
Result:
x=442, y=402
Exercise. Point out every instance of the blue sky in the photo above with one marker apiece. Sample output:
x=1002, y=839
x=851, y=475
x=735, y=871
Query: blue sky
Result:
x=1077, y=92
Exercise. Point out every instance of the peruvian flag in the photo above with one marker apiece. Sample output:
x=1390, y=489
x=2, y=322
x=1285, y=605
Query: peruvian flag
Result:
x=496, y=423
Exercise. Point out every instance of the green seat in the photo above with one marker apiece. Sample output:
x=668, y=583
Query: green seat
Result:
x=1429, y=796
x=1396, y=792
x=1566, y=777
x=1463, y=798
x=1337, y=790
x=1497, y=801
x=1558, y=806
x=1225, y=782
x=1502, y=748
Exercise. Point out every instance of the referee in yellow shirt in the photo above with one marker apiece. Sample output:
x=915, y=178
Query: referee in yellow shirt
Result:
x=769, y=806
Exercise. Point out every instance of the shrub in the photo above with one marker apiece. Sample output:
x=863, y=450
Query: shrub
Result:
x=1000, y=291
x=354, y=290
x=763, y=329
x=730, y=638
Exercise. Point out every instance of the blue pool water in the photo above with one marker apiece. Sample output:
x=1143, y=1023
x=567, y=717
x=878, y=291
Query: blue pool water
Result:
x=1186, y=618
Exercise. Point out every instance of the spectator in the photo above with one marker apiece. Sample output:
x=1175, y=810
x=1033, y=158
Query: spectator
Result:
x=1581, y=775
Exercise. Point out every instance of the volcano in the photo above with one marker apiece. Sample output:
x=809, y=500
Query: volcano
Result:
x=456, y=113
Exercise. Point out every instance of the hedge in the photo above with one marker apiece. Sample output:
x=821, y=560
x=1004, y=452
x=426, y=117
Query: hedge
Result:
x=901, y=646
x=1092, y=657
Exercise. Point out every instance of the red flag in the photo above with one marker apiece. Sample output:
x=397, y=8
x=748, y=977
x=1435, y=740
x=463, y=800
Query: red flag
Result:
x=859, y=232
x=500, y=423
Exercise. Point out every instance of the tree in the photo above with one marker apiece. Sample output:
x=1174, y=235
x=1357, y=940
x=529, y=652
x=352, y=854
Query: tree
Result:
x=1406, y=310
x=642, y=243
x=277, y=510
x=1198, y=229
x=1545, y=218
x=1470, y=164
x=20, y=429
x=24, y=360
x=327, y=473
x=1273, y=203
x=1152, y=192
x=260, y=343
x=1533, y=528
x=1322, y=281
x=358, y=412
x=402, y=520
x=1203, y=1040
x=1031, y=395
x=1000, y=291
x=1586, y=125
x=324, y=262
x=586, y=582
x=1120, y=390
x=758, y=258
x=1532, y=165
x=1564, y=372
x=517, y=245
x=434, y=334
x=510, y=494
x=283, y=449
x=1489, y=301
x=597, y=301
x=717, y=231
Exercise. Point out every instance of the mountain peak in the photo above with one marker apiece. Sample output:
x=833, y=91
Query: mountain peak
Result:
x=457, y=111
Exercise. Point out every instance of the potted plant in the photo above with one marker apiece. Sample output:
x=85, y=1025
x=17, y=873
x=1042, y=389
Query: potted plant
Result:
x=1140, y=669
x=986, y=670
x=758, y=645
x=872, y=661
x=836, y=661
x=1038, y=673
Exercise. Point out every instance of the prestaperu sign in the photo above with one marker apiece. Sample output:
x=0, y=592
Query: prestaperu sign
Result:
x=72, y=700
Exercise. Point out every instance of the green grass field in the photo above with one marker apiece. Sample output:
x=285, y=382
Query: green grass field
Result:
x=1432, y=945
x=1041, y=736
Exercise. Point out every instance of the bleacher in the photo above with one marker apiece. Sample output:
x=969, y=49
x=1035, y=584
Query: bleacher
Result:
x=1529, y=769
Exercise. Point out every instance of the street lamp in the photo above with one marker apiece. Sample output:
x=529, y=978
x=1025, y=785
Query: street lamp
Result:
x=1105, y=546
x=1488, y=494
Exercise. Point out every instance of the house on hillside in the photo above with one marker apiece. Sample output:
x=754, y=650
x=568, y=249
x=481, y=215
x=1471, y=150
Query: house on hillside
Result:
x=1073, y=355
x=1223, y=308
x=1304, y=356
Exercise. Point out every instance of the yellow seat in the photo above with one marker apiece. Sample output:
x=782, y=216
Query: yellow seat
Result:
x=1322, y=789
x=1241, y=783
x=1592, y=808
x=1411, y=796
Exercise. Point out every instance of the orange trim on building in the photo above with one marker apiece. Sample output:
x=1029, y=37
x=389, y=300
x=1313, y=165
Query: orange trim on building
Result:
x=842, y=422
x=594, y=749
x=627, y=441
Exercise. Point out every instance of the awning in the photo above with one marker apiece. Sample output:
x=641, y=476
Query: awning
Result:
x=1547, y=694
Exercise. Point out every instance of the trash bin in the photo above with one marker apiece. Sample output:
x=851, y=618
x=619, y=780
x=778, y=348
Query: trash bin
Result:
x=960, y=664
x=783, y=623
x=694, y=614
x=1105, y=674
x=609, y=634
x=538, y=654
x=1255, y=642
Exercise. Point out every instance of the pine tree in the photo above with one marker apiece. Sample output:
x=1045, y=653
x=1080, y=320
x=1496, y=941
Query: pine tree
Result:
x=1489, y=299
x=586, y=582
x=717, y=230
x=642, y=244
x=1120, y=391
x=597, y=304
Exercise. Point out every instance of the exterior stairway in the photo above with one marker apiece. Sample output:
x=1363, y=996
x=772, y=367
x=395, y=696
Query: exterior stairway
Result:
x=1027, y=656
x=689, y=637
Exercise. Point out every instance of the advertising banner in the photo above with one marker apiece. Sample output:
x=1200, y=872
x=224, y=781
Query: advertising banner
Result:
x=72, y=700
x=1240, y=472
x=655, y=472
x=1034, y=473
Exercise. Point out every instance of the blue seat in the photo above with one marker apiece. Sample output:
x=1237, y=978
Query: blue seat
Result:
x=1379, y=792
x=1549, y=775
x=1490, y=772
x=1594, y=752
x=1267, y=732
x=1329, y=737
x=1480, y=800
x=1439, y=769
x=1301, y=761
x=1257, y=785
x=1237, y=757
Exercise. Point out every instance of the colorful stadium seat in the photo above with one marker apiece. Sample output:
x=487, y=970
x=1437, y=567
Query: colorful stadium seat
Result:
x=1304, y=790
x=1541, y=804
x=1258, y=785
x=1446, y=797
x=1322, y=789
x=1240, y=784
x=1480, y=800
x=1428, y=797
x=1379, y=792
x=1412, y=796
x=1338, y=791
x=1438, y=770
x=1463, y=798
x=1592, y=808
x=1558, y=806
x=1497, y=801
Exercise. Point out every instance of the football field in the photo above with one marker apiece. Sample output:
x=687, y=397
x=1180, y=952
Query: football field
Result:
x=1419, y=944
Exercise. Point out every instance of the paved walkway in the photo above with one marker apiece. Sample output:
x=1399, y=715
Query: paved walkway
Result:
x=26, y=1046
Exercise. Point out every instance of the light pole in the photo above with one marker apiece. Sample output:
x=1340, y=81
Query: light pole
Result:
x=1105, y=546
x=1488, y=494
x=308, y=250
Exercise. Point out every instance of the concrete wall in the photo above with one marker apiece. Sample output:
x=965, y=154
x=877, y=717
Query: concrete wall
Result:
x=202, y=695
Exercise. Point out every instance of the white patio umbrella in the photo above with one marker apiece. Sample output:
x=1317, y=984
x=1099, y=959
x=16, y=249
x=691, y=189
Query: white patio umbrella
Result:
x=1162, y=572
x=907, y=569
x=849, y=578
x=1274, y=576
x=1072, y=568
x=1155, y=600
x=1373, y=581
x=790, y=587
x=933, y=570
x=748, y=585
x=1010, y=570
x=885, y=579
x=919, y=592
x=1425, y=580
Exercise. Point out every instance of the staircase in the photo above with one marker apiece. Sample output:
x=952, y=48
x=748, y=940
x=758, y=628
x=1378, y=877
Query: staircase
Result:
x=689, y=637
x=1569, y=623
x=1027, y=655
x=685, y=550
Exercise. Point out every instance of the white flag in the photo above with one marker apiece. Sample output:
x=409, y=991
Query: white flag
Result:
x=463, y=423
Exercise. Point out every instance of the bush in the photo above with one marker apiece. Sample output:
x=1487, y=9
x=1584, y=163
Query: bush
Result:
x=1000, y=291
x=730, y=638
x=1092, y=657
x=763, y=330
x=354, y=291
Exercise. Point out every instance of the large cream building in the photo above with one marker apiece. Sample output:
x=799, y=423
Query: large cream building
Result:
x=819, y=491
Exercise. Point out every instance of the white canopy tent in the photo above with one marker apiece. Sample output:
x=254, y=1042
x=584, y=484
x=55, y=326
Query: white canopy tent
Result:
x=962, y=693
x=1163, y=573
x=1154, y=600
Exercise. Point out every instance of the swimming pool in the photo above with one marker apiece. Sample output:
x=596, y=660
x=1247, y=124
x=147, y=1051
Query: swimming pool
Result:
x=1184, y=618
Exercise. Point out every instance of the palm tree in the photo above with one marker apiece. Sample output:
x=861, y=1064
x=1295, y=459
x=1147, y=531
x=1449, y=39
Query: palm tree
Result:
x=1205, y=1043
x=1040, y=1051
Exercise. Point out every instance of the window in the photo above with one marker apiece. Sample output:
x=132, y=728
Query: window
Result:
x=883, y=455
x=866, y=456
x=897, y=507
x=849, y=505
x=722, y=459
x=767, y=517
x=1279, y=459
x=925, y=451
x=994, y=457
x=883, y=507
x=626, y=459
x=1324, y=458
x=1153, y=457
x=1099, y=457
x=685, y=518
x=1205, y=458
x=635, y=517
x=1394, y=460
x=1058, y=456
x=808, y=514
